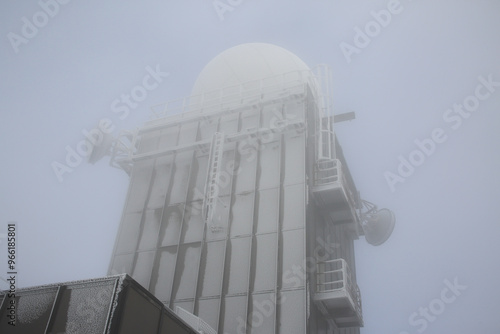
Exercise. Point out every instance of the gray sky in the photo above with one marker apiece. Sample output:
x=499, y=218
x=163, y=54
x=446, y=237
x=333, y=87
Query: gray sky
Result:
x=424, y=82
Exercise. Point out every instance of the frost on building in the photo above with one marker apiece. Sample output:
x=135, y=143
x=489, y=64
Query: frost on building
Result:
x=241, y=209
x=110, y=305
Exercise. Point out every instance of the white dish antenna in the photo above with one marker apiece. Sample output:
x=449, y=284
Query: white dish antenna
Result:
x=377, y=224
x=101, y=149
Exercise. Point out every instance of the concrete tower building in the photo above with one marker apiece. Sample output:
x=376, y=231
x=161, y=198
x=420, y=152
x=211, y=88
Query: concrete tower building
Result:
x=241, y=209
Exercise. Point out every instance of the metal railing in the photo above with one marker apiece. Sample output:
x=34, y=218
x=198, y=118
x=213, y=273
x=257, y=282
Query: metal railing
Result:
x=276, y=86
x=324, y=129
x=335, y=275
x=324, y=80
x=331, y=171
x=122, y=149
x=327, y=171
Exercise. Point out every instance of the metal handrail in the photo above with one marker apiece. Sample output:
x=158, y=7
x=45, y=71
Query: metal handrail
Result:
x=348, y=284
x=327, y=171
x=330, y=171
x=260, y=89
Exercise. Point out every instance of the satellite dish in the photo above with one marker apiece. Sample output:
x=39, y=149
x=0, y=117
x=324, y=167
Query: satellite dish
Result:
x=100, y=150
x=378, y=226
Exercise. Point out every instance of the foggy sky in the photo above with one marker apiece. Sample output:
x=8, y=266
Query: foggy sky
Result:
x=422, y=76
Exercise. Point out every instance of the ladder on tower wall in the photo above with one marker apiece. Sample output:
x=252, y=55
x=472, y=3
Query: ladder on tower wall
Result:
x=325, y=140
x=212, y=184
x=331, y=188
x=324, y=129
x=325, y=155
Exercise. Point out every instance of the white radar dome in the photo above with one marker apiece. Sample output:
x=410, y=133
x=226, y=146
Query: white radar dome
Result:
x=246, y=65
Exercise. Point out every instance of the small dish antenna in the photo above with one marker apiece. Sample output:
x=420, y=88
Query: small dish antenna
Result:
x=377, y=224
x=101, y=149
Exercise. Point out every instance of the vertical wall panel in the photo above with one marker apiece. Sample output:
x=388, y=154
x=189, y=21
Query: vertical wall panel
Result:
x=129, y=233
x=268, y=210
x=150, y=229
x=143, y=268
x=294, y=213
x=212, y=263
x=234, y=318
x=188, y=133
x=242, y=214
x=198, y=191
x=161, y=182
x=269, y=164
x=226, y=172
x=168, y=137
x=180, y=184
x=247, y=164
x=238, y=267
x=148, y=142
x=139, y=186
x=186, y=271
x=294, y=266
x=292, y=312
x=194, y=223
x=162, y=288
x=265, y=271
x=295, y=171
x=208, y=310
x=262, y=314
x=171, y=225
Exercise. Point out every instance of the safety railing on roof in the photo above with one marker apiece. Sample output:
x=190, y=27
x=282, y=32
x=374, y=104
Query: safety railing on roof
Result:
x=253, y=91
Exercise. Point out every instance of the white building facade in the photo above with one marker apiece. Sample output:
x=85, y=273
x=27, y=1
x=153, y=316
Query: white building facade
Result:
x=241, y=208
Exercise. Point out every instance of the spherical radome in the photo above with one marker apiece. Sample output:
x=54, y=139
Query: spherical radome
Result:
x=247, y=62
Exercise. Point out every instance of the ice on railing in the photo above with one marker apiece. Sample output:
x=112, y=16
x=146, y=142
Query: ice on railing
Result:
x=240, y=94
x=335, y=275
x=327, y=171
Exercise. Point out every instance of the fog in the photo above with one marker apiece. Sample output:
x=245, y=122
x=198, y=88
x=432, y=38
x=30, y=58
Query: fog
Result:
x=422, y=77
